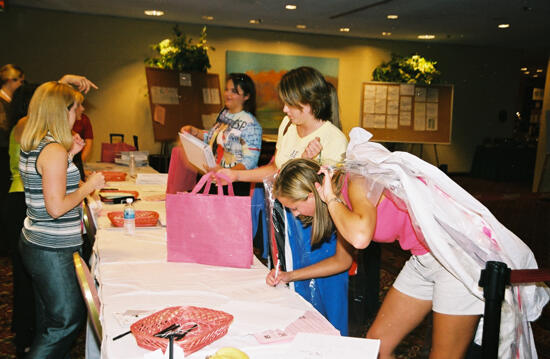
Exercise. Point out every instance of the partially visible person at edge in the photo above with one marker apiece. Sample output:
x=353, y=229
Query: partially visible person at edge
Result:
x=236, y=137
x=15, y=211
x=52, y=229
x=307, y=131
x=11, y=77
x=83, y=127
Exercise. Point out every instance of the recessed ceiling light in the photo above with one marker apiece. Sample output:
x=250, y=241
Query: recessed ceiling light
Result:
x=539, y=70
x=208, y=17
x=503, y=26
x=290, y=7
x=392, y=17
x=344, y=29
x=535, y=75
x=523, y=69
x=527, y=72
x=426, y=37
x=301, y=26
x=255, y=21
x=386, y=33
x=154, y=12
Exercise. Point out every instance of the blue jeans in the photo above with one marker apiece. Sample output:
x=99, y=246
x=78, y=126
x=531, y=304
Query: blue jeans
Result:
x=60, y=310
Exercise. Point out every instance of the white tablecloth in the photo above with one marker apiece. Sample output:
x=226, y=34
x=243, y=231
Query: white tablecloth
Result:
x=134, y=279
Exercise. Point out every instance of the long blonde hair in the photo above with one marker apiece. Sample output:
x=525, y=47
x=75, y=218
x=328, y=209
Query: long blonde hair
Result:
x=49, y=111
x=295, y=181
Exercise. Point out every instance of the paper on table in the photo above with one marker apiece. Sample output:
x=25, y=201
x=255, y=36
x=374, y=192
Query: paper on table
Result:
x=253, y=317
x=320, y=346
x=152, y=178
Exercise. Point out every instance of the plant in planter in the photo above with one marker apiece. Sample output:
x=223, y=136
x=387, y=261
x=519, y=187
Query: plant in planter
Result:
x=180, y=53
x=412, y=69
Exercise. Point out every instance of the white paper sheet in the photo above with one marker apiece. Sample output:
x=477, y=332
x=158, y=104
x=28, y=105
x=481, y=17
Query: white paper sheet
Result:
x=319, y=346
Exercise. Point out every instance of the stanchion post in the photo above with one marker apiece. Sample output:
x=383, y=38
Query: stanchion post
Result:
x=494, y=279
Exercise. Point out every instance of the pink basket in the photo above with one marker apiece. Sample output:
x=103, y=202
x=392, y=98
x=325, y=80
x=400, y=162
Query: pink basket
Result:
x=211, y=326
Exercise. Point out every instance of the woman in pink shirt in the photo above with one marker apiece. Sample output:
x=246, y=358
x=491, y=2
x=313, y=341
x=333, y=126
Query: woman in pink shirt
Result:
x=340, y=201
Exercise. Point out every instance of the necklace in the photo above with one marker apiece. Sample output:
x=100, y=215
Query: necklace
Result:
x=8, y=97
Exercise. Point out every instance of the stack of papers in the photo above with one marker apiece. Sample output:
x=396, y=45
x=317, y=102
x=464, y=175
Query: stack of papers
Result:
x=141, y=158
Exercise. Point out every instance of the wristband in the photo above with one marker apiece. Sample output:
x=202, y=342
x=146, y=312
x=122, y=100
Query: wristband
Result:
x=335, y=199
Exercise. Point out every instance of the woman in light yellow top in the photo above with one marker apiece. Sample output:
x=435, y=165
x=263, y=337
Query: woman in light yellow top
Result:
x=306, y=130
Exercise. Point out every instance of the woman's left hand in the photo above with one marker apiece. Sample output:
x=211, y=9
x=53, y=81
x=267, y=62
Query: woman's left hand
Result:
x=325, y=189
x=78, y=144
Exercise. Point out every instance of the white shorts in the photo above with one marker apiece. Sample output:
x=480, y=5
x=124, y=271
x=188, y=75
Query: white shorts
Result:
x=423, y=277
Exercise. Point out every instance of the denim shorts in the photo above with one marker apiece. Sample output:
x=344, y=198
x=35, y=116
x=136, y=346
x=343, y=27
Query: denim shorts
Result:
x=423, y=277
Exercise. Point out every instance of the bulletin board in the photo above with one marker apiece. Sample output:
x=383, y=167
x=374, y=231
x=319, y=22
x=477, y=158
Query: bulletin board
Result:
x=408, y=113
x=179, y=99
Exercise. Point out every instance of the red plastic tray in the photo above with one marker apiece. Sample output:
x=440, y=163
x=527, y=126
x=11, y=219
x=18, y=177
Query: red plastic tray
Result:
x=211, y=326
x=143, y=218
x=111, y=176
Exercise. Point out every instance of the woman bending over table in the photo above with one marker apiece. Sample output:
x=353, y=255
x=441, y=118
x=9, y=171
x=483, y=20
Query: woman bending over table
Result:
x=52, y=229
x=334, y=199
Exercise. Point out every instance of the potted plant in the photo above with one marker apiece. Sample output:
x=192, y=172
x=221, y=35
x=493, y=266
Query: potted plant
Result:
x=181, y=54
x=413, y=69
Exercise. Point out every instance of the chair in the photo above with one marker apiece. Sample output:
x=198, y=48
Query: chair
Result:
x=89, y=226
x=89, y=293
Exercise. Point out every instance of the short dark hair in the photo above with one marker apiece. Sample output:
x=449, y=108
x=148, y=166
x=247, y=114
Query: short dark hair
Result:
x=247, y=85
x=307, y=86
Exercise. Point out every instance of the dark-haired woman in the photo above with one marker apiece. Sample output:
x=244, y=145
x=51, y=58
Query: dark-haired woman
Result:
x=236, y=137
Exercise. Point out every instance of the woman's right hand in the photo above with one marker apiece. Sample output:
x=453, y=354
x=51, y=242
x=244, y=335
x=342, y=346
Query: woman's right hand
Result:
x=282, y=276
x=96, y=180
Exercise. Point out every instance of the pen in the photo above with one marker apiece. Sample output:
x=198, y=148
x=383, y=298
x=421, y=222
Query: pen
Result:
x=277, y=268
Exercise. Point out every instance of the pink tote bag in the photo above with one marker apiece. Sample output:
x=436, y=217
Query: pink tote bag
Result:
x=209, y=229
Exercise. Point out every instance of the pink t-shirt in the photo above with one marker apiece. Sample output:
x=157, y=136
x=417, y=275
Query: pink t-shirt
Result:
x=392, y=224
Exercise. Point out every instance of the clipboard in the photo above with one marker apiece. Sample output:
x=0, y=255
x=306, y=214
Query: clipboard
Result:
x=198, y=153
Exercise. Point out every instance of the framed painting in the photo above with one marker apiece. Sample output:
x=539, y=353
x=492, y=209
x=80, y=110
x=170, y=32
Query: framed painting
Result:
x=266, y=71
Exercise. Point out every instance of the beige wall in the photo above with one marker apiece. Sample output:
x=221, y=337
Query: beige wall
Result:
x=110, y=51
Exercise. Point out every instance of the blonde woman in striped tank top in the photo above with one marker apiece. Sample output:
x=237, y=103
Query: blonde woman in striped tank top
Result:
x=52, y=231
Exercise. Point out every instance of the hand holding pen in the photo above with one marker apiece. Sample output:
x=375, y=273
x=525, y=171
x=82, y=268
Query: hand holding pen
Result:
x=276, y=276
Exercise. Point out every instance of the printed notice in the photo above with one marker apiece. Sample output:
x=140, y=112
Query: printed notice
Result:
x=368, y=120
x=431, y=116
x=369, y=105
x=432, y=95
x=391, y=122
x=164, y=95
x=393, y=107
x=420, y=94
x=210, y=96
x=380, y=99
x=379, y=121
x=159, y=114
x=393, y=93
x=370, y=91
x=419, y=116
x=405, y=118
x=405, y=105
x=406, y=89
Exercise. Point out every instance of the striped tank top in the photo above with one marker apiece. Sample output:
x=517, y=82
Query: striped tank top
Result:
x=39, y=227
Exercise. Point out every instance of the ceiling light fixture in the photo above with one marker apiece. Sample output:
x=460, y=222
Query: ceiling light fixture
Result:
x=523, y=69
x=535, y=75
x=503, y=26
x=426, y=37
x=539, y=70
x=527, y=72
x=344, y=29
x=392, y=17
x=154, y=12
x=301, y=26
x=208, y=17
x=255, y=21
x=386, y=33
x=290, y=7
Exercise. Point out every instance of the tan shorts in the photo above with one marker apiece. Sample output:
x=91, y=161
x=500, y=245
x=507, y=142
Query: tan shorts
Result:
x=423, y=277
